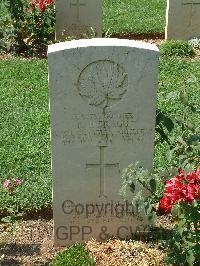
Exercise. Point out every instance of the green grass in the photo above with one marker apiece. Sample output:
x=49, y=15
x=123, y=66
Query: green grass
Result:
x=138, y=16
x=174, y=74
x=173, y=77
x=24, y=127
x=24, y=123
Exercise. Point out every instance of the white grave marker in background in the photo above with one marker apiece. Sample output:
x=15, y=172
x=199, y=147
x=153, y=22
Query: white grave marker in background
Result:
x=78, y=18
x=182, y=19
x=103, y=110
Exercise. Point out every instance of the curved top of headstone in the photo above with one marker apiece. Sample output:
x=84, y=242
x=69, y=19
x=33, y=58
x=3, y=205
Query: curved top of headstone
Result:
x=101, y=42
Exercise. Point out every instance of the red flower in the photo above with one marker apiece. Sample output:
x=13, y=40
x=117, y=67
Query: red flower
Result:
x=166, y=204
x=41, y=3
x=194, y=177
x=181, y=188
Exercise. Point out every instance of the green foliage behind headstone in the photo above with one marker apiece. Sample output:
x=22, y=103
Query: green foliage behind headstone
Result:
x=176, y=48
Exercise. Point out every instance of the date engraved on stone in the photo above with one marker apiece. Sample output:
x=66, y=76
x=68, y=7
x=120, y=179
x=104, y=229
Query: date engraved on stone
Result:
x=102, y=83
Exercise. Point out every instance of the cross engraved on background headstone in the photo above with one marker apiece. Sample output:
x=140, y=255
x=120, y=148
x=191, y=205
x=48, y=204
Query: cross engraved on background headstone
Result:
x=102, y=165
x=78, y=5
x=192, y=3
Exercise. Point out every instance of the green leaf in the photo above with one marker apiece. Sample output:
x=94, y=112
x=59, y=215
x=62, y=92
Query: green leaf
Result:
x=191, y=79
x=152, y=218
x=132, y=188
x=153, y=184
x=173, y=95
x=193, y=108
x=190, y=258
x=10, y=210
x=147, y=207
x=162, y=134
x=164, y=120
x=195, y=203
x=7, y=219
x=180, y=229
x=194, y=139
x=176, y=211
x=184, y=97
x=92, y=261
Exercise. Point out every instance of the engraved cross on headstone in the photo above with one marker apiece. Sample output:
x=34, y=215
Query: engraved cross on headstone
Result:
x=78, y=5
x=191, y=3
x=102, y=165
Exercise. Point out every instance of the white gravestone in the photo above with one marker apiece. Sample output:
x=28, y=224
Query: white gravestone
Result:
x=182, y=19
x=78, y=18
x=103, y=109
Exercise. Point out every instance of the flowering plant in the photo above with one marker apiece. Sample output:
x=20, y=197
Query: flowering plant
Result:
x=181, y=189
x=182, y=199
x=43, y=4
x=31, y=25
x=11, y=187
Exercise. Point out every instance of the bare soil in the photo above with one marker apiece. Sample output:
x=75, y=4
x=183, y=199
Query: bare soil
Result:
x=30, y=242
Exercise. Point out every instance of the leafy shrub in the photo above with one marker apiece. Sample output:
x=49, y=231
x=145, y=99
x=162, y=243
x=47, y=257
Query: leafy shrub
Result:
x=182, y=192
x=26, y=25
x=182, y=136
x=181, y=197
x=139, y=182
x=6, y=27
x=11, y=188
x=176, y=48
x=76, y=255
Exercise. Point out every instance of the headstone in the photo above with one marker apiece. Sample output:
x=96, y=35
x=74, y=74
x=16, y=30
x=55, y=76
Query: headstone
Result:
x=103, y=109
x=182, y=19
x=78, y=18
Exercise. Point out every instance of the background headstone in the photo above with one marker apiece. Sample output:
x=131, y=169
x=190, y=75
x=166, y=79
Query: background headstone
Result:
x=78, y=18
x=103, y=109
x=182, y=19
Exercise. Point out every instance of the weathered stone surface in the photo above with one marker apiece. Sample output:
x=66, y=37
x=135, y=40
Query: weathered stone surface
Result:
x=78, y=18
x=182, y=19
x=103, y=106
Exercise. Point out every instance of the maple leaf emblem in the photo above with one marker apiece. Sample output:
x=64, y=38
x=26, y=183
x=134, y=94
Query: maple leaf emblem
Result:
x=103, y=83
